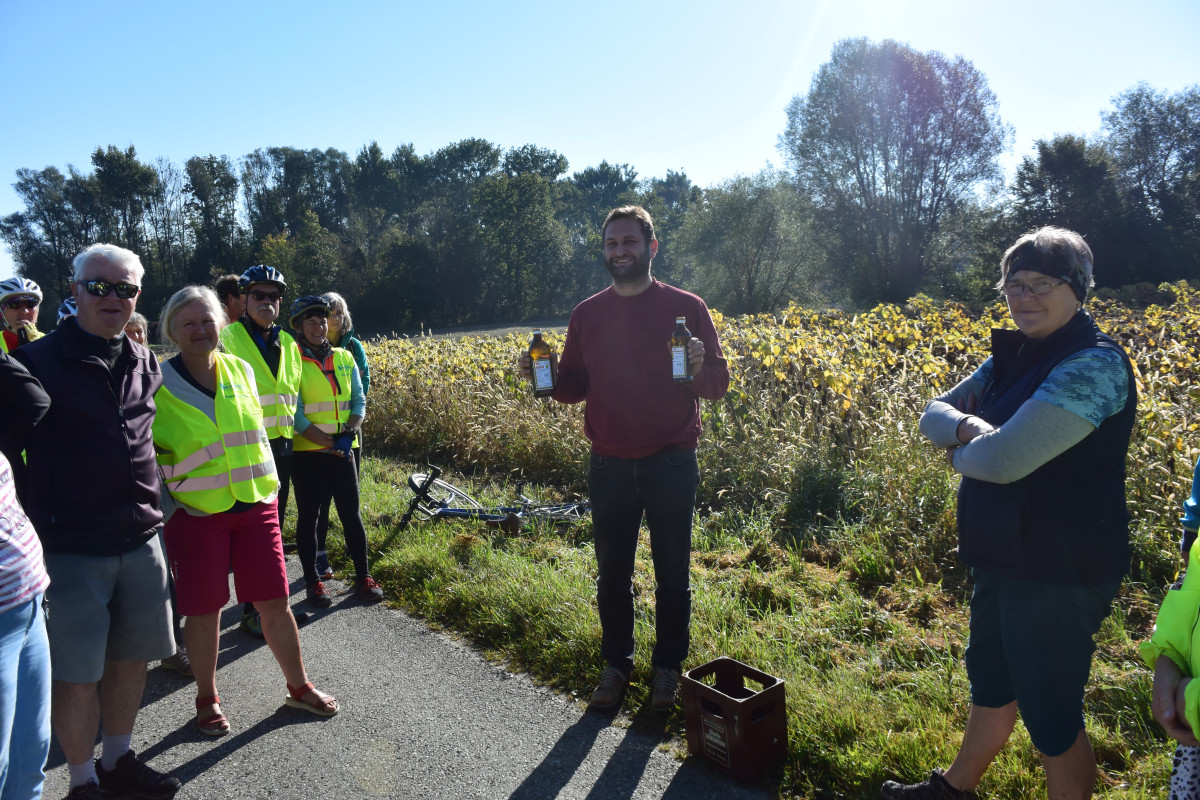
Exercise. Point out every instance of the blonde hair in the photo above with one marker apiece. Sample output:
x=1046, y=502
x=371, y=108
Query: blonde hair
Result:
x=181, y=300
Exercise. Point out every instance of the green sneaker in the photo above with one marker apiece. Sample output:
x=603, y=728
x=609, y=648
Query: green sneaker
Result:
x=252, y=624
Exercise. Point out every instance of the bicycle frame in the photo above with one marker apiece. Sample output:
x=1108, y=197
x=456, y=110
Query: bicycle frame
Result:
x=508, y=518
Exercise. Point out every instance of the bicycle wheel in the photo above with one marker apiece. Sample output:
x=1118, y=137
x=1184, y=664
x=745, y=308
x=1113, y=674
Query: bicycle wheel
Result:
x=439, y=494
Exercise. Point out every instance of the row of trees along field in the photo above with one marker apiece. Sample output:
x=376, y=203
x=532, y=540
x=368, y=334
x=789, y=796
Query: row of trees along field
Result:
x=893, y=187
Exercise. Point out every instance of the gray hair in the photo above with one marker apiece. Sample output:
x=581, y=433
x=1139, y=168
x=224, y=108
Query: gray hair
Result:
x=1053, y=251
x=181, y=300
x=112, y=254
x=136, y=318
x=338, y=303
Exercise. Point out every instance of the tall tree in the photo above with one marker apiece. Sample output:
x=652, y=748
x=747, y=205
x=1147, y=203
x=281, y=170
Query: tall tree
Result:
x=1072, y=184
x=751, y=243
x=212, y=187
x=524, y=249
x=169, y=236
x=887, y=141
x=1155, y=141
x=669, y=200
x=125, y=187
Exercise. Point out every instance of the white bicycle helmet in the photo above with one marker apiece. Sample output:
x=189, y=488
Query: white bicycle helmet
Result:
x=19, y=286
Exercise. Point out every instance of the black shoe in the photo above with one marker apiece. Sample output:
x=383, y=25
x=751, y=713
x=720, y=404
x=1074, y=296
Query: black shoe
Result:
x=934, y=787
x=133, y=778
x=368, y=589
x=318, y=595
x=88, y=791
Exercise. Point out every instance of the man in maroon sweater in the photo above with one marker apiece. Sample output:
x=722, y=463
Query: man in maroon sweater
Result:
x=644, y=428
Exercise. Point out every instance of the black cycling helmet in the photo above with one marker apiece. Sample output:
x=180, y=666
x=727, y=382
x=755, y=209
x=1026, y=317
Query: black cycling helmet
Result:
x=302, y=305
x=261, y=273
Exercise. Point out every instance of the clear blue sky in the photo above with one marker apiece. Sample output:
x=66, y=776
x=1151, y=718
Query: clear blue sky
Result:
x=691, y=85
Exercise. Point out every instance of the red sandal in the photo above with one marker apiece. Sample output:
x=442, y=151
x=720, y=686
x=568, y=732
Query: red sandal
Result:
x=325, y=706
x=214, y=725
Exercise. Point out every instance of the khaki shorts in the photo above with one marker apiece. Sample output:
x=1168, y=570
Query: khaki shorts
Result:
x=107, y=608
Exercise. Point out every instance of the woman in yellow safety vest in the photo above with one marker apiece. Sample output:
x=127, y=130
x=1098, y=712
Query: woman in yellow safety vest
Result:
x=220, y=503
x=328, y=418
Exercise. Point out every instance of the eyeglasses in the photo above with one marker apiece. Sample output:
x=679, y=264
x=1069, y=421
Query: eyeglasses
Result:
x=125, y=291
x=1036, y=288
x=268, y=297
x=26, y=303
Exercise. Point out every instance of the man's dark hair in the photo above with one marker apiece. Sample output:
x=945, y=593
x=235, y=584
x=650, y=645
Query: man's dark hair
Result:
x=227, y=286
x=630, y=212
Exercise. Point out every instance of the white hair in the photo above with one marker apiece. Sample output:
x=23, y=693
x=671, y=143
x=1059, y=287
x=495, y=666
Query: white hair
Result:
x=338, y=303
x=113, y=255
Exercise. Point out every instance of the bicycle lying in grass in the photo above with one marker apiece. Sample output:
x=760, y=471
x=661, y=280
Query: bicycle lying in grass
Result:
x=435, y=498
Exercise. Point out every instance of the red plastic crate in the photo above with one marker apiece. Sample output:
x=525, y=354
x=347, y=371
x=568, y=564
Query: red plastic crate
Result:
x=743, y=730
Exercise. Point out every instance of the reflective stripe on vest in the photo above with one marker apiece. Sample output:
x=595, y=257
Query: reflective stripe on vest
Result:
x=278, y=393
x=210, y=466
x=215, y=450
x=327, y=411
x=221, y=480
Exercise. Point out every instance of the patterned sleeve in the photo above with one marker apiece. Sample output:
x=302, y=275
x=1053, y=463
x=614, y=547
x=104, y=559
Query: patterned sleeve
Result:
x=1092, y=384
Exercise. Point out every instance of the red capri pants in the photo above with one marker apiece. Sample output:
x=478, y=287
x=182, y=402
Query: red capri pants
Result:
x=201, y=551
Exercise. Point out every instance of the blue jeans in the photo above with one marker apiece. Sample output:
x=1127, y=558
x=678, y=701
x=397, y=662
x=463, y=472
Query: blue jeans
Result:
x=24, y=701
x=662, y=487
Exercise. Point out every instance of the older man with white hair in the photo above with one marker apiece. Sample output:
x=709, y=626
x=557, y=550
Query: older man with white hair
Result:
x=93, y=497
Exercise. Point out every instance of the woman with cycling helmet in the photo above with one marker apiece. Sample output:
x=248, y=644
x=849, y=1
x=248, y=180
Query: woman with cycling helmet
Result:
x=341, y=334
x=19, y=300
x=221, y=509
x=328, y=418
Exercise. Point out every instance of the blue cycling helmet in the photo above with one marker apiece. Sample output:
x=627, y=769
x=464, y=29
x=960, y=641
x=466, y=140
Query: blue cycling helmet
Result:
x=261, y=273
x=302, y=305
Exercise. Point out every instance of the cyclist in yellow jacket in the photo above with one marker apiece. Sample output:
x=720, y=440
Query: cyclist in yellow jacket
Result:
x=220, y=474
x=20, y=299
x=257, y=338
x=1173, y=652
x=328, y=419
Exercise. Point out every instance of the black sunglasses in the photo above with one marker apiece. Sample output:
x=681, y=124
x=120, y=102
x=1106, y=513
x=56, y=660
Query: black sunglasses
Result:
x=271, y=297
x=125, y=291
x=27, y=303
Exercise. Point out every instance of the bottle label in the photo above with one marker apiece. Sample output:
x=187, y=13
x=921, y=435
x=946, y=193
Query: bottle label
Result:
x=542, y=377
x=679, y=362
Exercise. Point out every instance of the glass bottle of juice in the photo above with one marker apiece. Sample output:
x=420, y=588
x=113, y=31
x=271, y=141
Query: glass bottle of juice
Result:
x=543, y=375
x=680, y=370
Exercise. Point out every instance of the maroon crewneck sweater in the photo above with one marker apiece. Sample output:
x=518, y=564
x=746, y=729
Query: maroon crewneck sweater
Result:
x=617, y=357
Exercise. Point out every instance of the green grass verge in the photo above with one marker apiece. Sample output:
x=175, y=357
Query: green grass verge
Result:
x=871, y=653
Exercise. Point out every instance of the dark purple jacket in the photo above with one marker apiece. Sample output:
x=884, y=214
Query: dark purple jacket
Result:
x=92, y=481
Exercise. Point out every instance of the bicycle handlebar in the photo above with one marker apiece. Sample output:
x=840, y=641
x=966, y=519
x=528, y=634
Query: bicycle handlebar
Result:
x=422, y=494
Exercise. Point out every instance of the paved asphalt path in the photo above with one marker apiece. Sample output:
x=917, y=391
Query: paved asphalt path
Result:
x=423, y=716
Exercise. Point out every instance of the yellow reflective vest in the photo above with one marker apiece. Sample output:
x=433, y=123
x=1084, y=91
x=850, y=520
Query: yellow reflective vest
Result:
x=211, y=466
x=1176, y=634
x=10, y=342
x=277, y=393
x=326, y=392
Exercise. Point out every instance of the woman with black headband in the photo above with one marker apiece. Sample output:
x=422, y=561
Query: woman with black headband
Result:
x=1039, y=433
